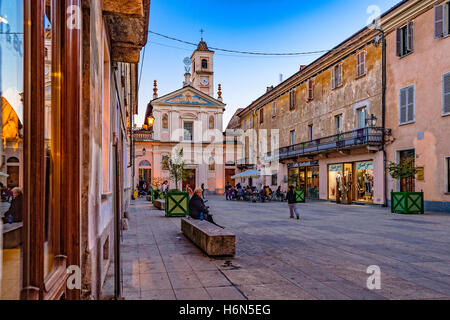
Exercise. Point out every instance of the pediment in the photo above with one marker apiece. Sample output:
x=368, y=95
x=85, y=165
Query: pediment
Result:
x=188, y=96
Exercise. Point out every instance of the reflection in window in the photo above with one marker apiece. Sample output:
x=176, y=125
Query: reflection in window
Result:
x=11, y=147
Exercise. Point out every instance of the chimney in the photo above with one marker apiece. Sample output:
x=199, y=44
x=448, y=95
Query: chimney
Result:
x=155, y=90
x=302, y=67
x=269, y=89
x=187, y=79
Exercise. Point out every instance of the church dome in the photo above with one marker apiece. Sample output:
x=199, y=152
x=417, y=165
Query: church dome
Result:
x=202, y=46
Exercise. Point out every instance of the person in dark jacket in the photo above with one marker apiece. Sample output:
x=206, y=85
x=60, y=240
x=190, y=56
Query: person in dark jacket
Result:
x=15, y=210
x=197, y=206
x=292, y=203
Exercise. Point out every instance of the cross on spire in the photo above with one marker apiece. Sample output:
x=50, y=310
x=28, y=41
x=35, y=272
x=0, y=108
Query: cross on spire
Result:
x=201, y=32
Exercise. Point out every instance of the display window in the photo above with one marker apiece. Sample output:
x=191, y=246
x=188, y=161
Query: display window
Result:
x=364, y=181
x=335, y=179
x=312, y=182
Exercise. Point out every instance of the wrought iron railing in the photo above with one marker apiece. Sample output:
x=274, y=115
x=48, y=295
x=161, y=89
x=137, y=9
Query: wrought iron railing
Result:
x=359, y=137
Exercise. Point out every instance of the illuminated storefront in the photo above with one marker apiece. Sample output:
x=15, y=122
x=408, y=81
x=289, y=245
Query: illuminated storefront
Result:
x=305, y=175
x=351, y=182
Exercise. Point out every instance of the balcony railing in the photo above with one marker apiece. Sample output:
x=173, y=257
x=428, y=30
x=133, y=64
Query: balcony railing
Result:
x=346, y=140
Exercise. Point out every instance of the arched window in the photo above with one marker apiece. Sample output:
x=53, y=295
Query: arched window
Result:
x=13, y=160
x=165, y=121
x=145, y=163
x=211, y=122
x=205, y=64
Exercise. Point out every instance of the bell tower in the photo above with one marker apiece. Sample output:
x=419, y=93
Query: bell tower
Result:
x=203, y=69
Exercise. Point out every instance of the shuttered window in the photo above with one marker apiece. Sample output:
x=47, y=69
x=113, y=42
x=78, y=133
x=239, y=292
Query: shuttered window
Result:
x=441, y=20
x=292, y=99
x=407, y=105
x=405, y=39
x=361, y=64
x=310, y=89
x=446, y=94
x=274, y=109
x=336, y=76
x=261, y=116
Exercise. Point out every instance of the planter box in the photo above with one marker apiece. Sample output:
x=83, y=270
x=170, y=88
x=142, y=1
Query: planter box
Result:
x=300, y=196
x=160, y=197
x=177, y=204
x=407, y=202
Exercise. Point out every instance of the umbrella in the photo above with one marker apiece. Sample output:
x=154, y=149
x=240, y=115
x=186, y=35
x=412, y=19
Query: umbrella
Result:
x=247, y=174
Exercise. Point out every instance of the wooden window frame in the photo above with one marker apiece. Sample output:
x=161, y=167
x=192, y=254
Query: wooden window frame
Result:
x=361, y=64
x=310, y=90
x=274, y=109
x=261, y=116
x=445, y=32
x=405, y=31
x=292, y=97
x=34, y=285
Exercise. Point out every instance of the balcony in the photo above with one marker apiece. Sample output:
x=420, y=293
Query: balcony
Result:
x=365, y=137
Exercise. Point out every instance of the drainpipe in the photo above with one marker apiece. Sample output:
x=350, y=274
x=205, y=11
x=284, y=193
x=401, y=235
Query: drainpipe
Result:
x=383, y=114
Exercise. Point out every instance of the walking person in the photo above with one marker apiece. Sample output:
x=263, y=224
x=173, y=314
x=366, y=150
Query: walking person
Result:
x=189, y=190
x=292, y=203
x=228, y=191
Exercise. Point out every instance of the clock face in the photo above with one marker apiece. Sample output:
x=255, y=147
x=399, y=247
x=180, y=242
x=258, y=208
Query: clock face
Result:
x=204, y=81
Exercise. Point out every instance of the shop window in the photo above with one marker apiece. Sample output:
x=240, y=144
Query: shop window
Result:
x=335, y=181
x=364, y=181
x=405, y=39
x=11, y=109
x=293, y=175
x=312, y=182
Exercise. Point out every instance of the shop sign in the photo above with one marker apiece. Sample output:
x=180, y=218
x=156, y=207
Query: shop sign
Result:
x=364, y=165
x=420, y=173
x=336, y=167
x=304, y=164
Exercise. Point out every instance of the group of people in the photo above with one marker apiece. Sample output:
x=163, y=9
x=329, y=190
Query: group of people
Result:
x=243, y=193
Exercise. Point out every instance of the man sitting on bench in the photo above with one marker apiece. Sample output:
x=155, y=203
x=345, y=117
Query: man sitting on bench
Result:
x=197, y=208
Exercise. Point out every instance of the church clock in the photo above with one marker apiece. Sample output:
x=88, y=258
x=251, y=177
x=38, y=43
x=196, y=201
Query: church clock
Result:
x=204, y=81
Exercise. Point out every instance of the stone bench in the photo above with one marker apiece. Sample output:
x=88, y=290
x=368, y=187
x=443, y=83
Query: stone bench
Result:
x=149, y=198
x=214, y=241
x=12, y=235
x=160, y=204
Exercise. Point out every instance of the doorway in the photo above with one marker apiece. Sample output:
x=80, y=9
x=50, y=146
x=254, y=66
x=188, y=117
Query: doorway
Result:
x=13, y=179
x=190, y=179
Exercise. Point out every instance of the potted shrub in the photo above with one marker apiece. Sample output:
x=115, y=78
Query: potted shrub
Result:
x=177, y=202
x=406, y=202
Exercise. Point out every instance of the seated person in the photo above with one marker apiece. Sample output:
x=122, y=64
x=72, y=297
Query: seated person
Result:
x=197, y=206
x=15, y=210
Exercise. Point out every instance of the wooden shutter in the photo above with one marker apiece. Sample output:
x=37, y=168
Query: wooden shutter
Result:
x=333, y=78
x=363, y=63
x=410, y=104
x=403, y=105
x=446, y=92
x=310, y=89
x=410, y=33
x=358, y=65
x=399, y=42
x=439, y=21
x=340, y=76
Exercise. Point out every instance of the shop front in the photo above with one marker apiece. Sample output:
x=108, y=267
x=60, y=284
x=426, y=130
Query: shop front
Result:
x=305, y=175
x=351, y=182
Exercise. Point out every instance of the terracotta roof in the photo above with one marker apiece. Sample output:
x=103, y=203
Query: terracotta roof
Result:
x=202, y=46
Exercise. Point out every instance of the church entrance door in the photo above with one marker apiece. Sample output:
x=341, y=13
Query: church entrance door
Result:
x=190, y=180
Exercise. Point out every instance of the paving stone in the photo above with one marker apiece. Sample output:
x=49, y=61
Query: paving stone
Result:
x=212, y=278
x=184, y=280
x=154, y=281
x=192, y=294
x=225, y=293
x=158, y=295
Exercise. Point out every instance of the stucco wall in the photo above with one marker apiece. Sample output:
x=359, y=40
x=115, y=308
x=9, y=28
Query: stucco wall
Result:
x=424, y=69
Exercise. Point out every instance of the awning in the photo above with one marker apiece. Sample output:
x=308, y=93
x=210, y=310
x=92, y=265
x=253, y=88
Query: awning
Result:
x=247, y=174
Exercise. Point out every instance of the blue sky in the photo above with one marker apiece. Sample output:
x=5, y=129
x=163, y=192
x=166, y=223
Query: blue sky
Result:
x=245, y=25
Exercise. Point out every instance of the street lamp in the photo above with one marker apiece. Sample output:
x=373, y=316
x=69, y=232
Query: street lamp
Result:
x=372, y=121
x=150, y=121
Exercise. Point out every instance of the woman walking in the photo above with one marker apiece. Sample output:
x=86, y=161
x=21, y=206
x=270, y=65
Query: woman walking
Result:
x=292, y=203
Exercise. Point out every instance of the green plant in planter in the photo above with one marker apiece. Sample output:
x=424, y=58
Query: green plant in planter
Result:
x=177, y=169
x=409, y=201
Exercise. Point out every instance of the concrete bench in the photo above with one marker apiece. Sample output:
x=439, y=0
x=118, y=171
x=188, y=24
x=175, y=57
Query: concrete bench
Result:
x=214, y=241
x=160, y=204
x=12, y=235
x=149, y=198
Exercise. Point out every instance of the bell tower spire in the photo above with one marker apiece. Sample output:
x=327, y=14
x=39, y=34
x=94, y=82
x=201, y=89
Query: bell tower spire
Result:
x=203, y=68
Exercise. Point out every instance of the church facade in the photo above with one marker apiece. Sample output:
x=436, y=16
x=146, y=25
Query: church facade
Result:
x=190, y=119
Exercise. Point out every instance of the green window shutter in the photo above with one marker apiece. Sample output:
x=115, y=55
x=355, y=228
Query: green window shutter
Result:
x=446, y=93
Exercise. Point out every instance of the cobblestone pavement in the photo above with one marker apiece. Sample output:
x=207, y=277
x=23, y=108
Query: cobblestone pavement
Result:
x=325, y=255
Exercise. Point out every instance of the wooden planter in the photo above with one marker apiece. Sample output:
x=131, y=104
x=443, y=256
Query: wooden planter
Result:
x=160, y=197
x=407, y=202
x=177, y=204
x=300, y=196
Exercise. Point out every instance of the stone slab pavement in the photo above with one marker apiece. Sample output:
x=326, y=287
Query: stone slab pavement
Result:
x=324, y=256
